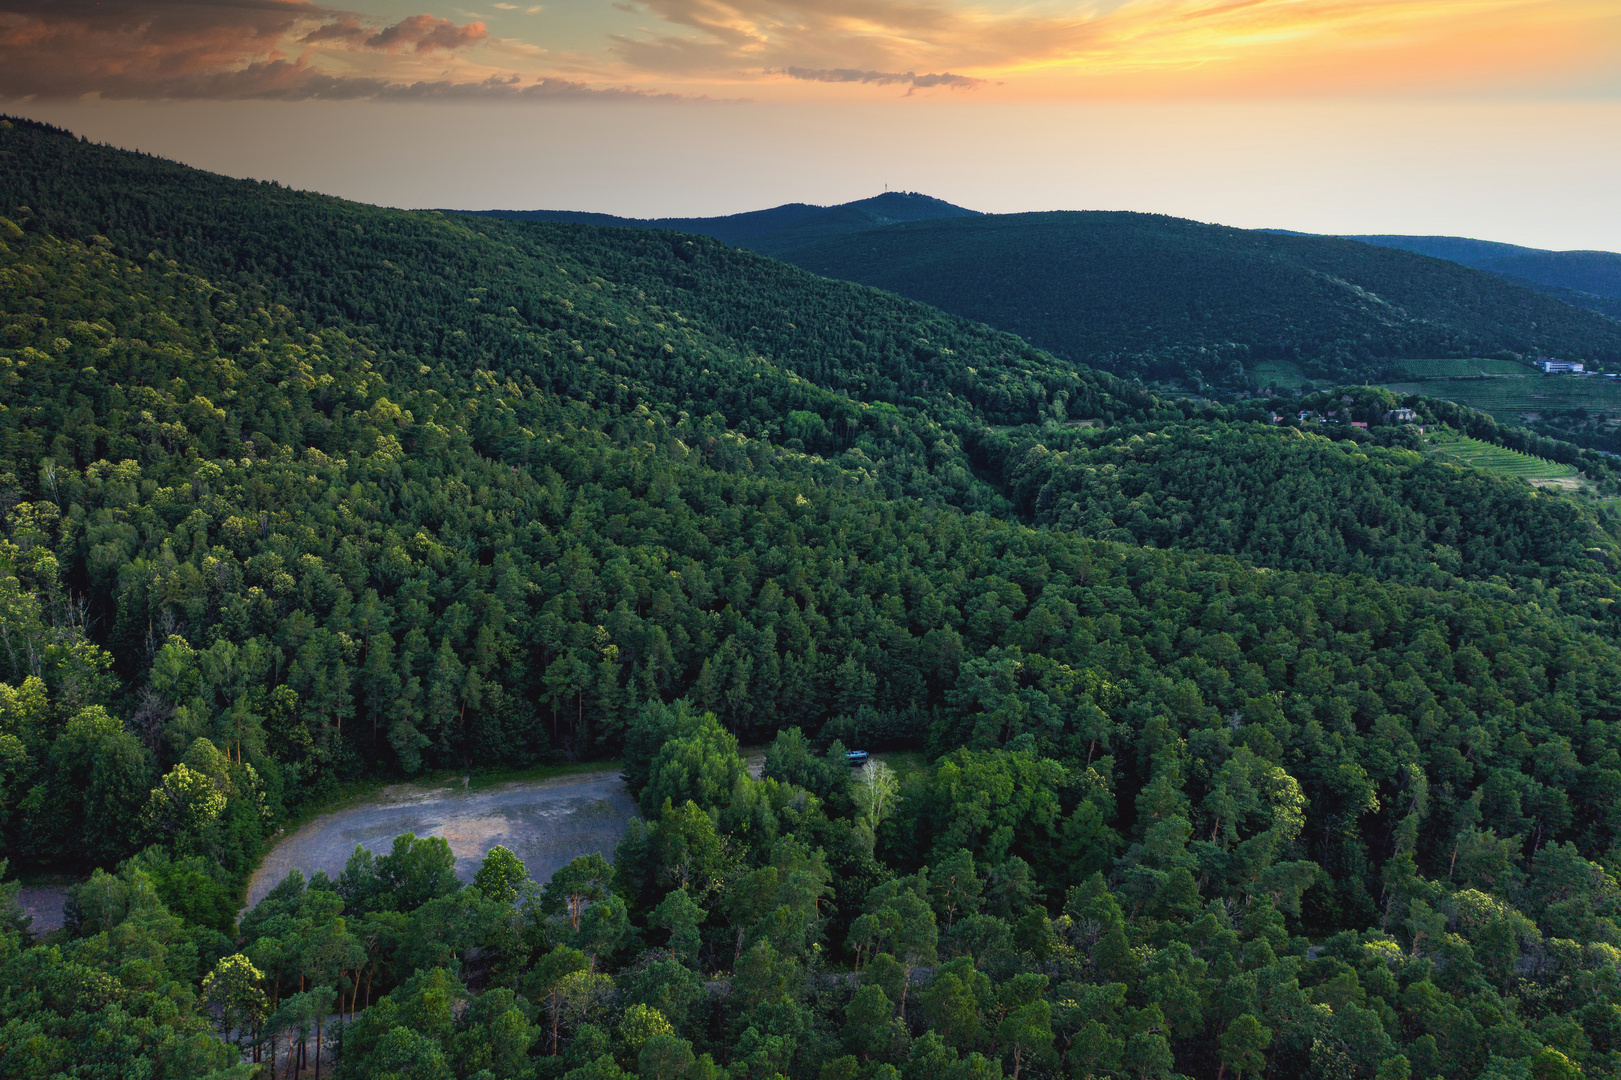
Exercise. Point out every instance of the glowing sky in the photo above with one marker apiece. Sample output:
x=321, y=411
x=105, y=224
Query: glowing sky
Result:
x=803, y=49
x=824, y=94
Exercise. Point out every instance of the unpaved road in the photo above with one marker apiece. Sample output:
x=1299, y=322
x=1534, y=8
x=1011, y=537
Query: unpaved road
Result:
x=544, y=822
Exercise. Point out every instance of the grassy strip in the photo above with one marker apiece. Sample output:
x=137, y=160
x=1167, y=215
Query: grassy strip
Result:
x=906, y=763
x=1507, y=398
x=489, y=778
x=1444, y=369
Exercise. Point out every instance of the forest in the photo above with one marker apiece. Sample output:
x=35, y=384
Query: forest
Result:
x=1189, y=304
x=1589, y=279
x=1206, y=744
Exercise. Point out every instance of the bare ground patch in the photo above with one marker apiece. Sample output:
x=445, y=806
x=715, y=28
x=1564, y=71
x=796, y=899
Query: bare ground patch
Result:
x=1563, y=483
x=545, y=823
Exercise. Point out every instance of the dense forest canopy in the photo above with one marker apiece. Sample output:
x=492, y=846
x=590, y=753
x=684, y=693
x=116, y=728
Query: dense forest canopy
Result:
x=1163, y=298
x=1299, y=500
x=1589, y=279
x=1219, y=745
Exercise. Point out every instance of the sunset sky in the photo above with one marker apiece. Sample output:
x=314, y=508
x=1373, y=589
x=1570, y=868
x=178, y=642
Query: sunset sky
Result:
x=1500, y=118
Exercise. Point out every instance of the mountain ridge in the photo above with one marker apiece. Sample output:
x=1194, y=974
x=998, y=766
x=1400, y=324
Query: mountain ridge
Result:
x=1165, y=298
x=797, y=219
x=1584, y=278
x=1069, y=282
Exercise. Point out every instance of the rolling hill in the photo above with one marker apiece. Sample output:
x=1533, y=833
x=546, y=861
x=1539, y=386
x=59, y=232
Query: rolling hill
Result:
x=1171, y=300
x=788, y=224
x=1164, y=298
x=1589, y=279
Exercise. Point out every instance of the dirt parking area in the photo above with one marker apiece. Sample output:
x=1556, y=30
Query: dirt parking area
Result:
x=545, y=823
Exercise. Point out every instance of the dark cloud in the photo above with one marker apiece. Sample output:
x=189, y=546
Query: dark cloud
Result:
x=235, y=50
x=419, y=33
x=345, y=29
x=881, y=78
x=126, y=11
x=74, y=48
x=511, y=88
x=284, y=80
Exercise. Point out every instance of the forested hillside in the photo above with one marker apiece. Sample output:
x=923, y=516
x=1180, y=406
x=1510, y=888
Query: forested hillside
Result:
x=1303, y=501
x=1163, y=298
x=1226, y=748
x=1590, y=279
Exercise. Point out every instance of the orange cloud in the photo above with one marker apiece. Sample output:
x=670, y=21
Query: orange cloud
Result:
x=1140, y=48
x=425, y=33
x=881, y=78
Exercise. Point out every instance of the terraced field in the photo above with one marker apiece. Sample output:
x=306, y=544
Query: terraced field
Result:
x=1500, y=460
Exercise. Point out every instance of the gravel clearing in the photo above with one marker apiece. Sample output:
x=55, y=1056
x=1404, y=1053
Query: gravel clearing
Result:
x=544, y=822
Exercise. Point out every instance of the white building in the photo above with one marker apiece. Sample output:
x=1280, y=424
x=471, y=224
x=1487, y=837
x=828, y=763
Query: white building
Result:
x=1553, y=367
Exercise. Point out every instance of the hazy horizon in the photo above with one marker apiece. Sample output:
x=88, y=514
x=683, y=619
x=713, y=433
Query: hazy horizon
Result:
x=1420, y=167
x=1496, y=119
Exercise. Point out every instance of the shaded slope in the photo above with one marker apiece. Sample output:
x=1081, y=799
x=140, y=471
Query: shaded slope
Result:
x=1594, y=272
x=1163, y=297
x=1589, y=279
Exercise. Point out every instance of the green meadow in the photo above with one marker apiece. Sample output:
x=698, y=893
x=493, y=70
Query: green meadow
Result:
x=1454, y=369
x=1508, y=398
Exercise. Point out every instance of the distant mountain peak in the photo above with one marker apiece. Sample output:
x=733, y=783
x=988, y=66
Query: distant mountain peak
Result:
x=788, y=223
x=897, y=206
x=909, y=199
